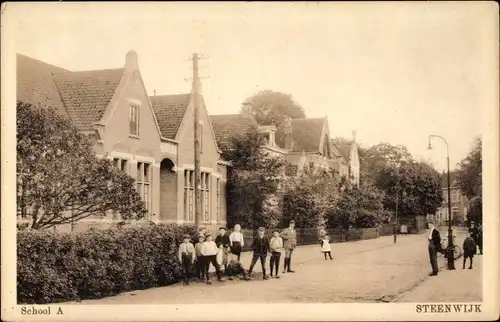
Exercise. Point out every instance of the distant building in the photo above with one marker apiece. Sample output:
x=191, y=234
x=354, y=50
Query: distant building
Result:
x=302, y=143
x=459, y=203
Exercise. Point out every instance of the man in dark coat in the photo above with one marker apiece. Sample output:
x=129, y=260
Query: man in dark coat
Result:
x=260, y=248
x=480, y=238
x=434, y=247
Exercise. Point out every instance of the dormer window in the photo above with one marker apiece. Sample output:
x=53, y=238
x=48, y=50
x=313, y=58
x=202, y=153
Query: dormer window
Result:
x=134, y=119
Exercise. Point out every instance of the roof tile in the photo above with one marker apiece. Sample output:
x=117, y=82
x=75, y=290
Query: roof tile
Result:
x=228, y=125
x=169, y=112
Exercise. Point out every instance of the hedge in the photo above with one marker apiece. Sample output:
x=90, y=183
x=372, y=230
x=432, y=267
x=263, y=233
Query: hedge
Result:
x=54, y=267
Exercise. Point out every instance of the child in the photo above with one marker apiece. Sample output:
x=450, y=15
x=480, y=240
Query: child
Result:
x=186, y=257
x=209, y=251
x=223, y=243
x=469, y=249
x=234, y=268
x=276, y=246
x=325, y=246
x=260, y=249
x=236, y=241
x=200, y=264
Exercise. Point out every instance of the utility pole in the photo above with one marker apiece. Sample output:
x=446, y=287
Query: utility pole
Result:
x=195, y=99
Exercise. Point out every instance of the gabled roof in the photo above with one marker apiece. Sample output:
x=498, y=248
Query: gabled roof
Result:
x=87, y=94
x=83, y=96
x=169, y=112
x=345, y=150
x=35, y=83
x=228, y=125
x=306, y=134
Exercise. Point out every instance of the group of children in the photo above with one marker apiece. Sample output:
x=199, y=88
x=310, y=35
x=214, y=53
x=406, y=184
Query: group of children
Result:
x=207, y=252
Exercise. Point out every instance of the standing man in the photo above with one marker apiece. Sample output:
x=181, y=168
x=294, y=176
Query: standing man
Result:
x=289, y=236
x=434, y=247
x=474, y=233
x=480, y=237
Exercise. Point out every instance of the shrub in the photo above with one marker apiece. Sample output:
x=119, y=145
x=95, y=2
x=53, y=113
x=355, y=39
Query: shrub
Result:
x=54, y=267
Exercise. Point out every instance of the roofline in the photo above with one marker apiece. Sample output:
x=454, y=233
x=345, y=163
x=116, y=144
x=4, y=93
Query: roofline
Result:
x=223, y=162
x=168, y=140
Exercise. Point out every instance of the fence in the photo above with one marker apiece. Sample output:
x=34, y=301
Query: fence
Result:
x=310, y=236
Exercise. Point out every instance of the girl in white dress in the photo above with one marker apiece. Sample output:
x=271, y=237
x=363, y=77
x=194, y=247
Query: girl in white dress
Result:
x=325, y=247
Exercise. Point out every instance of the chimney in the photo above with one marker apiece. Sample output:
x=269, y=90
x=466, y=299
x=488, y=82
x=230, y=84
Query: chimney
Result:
x=131, y=61
x=354, y=136
x=287, y=129
x=246, y=109
x=154, y=92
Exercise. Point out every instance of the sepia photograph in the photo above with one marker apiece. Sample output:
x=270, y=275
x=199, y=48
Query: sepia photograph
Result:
x=250, y=161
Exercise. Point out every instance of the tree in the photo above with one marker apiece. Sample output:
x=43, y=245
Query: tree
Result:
x=253, y=181
x=309, y=197
x=475, y=210
x=470, y=171
x=377, y=157
x=270, y=107
x=60, y=180
x=358, y=206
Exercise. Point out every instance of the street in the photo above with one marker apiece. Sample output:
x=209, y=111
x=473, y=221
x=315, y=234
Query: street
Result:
x=374, y=271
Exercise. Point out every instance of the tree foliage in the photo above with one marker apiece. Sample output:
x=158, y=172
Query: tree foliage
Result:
x=358, y=206
x=470, y=171
x=414, y=186
x=253, y=182
x=475, y=210
x=270, y=107
x=60, y=180
x=309, y=196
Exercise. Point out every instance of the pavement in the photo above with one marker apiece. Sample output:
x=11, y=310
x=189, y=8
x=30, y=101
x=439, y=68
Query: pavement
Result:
x=369, y=271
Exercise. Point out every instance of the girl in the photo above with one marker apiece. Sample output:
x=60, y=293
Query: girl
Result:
x=236, y=241
x=325, y=247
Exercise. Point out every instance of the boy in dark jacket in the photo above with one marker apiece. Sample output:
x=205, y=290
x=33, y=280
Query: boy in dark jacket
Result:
x=469, y=249
x=223, y=243
x=260, y=249
x=234, y=268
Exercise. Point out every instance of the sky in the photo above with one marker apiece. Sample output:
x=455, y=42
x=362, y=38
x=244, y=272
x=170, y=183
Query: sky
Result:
x=392, y=72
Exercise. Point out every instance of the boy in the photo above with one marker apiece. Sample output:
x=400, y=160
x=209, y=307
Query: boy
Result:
x=223, y=243
x=289, y=236
x=469, y=249
x=235, y=268
x=186, y=257
x=209, y=251
x=237, y=241
x=260, y=249
x=325, y=246
x=200, y=264
x=276, y=245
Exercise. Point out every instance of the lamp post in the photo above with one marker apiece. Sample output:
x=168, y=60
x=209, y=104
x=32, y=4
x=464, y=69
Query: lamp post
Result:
x=449, y=249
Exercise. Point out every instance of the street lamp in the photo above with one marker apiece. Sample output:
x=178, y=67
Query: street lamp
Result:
x=449, y=249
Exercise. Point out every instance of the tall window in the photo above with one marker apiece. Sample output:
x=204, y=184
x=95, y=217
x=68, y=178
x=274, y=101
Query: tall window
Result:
x=134, y=119
x=218, y=203
x=189, y=194
x=143, y=181
x=205, y=193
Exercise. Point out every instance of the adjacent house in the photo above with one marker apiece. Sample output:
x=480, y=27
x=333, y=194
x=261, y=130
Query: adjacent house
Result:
x=303, y=143
x=150, y=138
x=349, y=152
x=459, y=203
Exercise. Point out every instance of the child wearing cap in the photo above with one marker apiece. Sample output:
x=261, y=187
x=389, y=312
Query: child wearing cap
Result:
x=200, y=264
x=186, y=257
x=289, y=236
x=234, y=268
x=237, y=241
x=276, y=245
x=325, y=246
x=223, y=243
x=209, y=251
x=260, y=248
